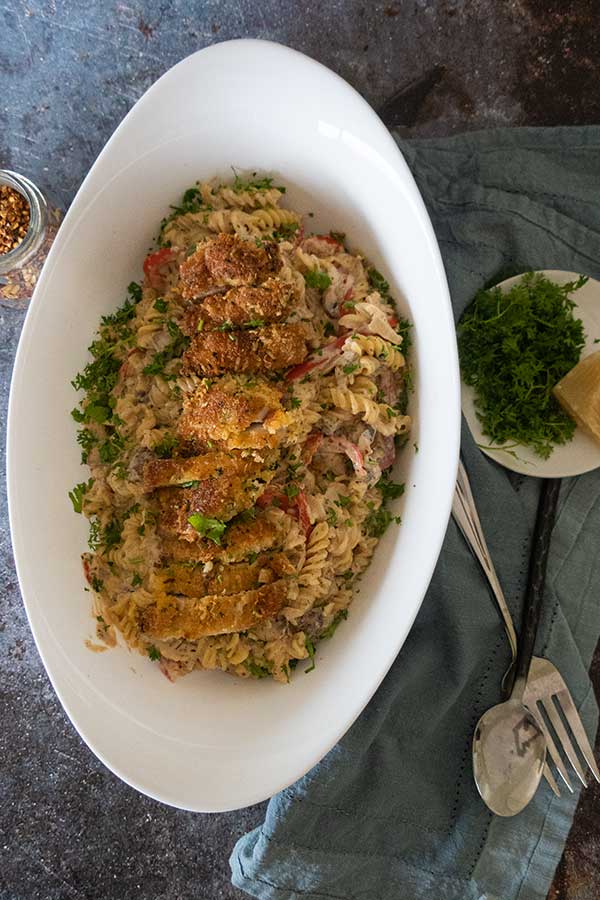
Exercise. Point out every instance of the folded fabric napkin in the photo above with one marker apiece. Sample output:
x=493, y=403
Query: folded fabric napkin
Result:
x=392, y=812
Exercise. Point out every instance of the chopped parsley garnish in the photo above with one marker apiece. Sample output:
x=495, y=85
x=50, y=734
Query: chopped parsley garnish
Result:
x=254, y=323
x=295, y=402
x=189, y=484
x=111, y=535
x=310, y=649
x=378, y=521
x=164, y=449
x=254, y=184
x=225, y=326
x=514, y=347
x=378, y=282
x=153, y=653
x=257, y=671
x=331, y=517
x=107, y=538
x=97, y=584
x=161, y=305
x=350, y=368
x=87, y=440
x=213, y=529
x=330, y=630
x=78, y=493
x=110, y=449
x=291, y=491
x=390, y=490
x=316, y=279
x=173, y=350
x=136, y=580
x=343, y=501
x=329, y=329
x=135, y=291
x=191, y=202
x=404, y=329
x=252, y=557
x=339, y=236
x=286, y=231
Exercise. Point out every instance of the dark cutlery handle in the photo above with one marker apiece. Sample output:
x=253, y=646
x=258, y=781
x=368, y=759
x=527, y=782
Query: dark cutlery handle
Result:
x=544, y=524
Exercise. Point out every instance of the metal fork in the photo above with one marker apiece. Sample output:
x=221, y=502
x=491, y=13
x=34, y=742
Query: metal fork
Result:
x=546, y=694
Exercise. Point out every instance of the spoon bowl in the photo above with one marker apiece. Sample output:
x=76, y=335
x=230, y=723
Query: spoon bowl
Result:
x=509, y=754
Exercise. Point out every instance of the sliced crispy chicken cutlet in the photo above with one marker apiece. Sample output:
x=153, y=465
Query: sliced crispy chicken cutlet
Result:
x=167, y=472
x=269, y=349
x=226, y=261
x=219, y=498
x=224, y=578
x=241, y=306
x=193, y=618
x=235, y=413
x=239, y=541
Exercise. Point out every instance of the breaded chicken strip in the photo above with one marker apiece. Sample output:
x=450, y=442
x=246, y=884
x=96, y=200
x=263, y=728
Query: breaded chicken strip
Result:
x=239, y=541
x=270, y=349
x=168, y=472
x=193, y=618
x=226, y=261
x=224, y=578
x=234, y=413
x=241, y=306
x=219, y=498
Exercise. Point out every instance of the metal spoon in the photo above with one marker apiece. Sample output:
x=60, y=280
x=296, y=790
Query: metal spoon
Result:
x=509, y=747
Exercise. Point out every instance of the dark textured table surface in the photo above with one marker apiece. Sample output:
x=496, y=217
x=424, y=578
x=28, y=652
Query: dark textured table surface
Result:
x=69, y=72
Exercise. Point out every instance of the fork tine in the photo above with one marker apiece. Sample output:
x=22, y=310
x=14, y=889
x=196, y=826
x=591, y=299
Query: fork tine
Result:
x=553, y=752
x=551, y=780
x=576, y=726
x=563, y=737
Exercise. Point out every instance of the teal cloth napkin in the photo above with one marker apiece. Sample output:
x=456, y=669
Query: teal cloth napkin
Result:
x=392, y=812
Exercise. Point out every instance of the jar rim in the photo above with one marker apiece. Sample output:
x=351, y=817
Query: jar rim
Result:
x=37, y=220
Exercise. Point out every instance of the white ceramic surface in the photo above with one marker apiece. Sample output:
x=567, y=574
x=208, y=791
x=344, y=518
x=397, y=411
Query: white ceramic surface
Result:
x=580, y=455
x=211, y=742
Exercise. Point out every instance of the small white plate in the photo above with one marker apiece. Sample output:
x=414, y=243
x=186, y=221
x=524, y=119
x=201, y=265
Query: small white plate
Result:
x=580, y=455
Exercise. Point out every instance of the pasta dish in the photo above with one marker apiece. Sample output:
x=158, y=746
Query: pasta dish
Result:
x=240, y=415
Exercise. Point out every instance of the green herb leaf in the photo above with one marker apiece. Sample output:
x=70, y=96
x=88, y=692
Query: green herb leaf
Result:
x=78, y=493
x=378, y=282
x=135, y=291
x=390, y=490
x=173, y=350
x=161, y=305
x=316, y=279
x=330, y=630
x=153, y=653
x=286, y=231
x=164, y=449
x=213, y=529
x=257, y=671
x=310, y=649
x=378, y=521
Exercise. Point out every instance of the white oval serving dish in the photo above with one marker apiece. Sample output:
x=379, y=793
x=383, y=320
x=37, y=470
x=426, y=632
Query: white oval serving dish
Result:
x=211, y=742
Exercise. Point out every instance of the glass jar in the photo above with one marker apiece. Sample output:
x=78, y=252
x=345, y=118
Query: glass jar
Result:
x=38, y=220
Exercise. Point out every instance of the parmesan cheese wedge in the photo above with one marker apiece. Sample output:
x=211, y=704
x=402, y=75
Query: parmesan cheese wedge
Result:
x=579, y=394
